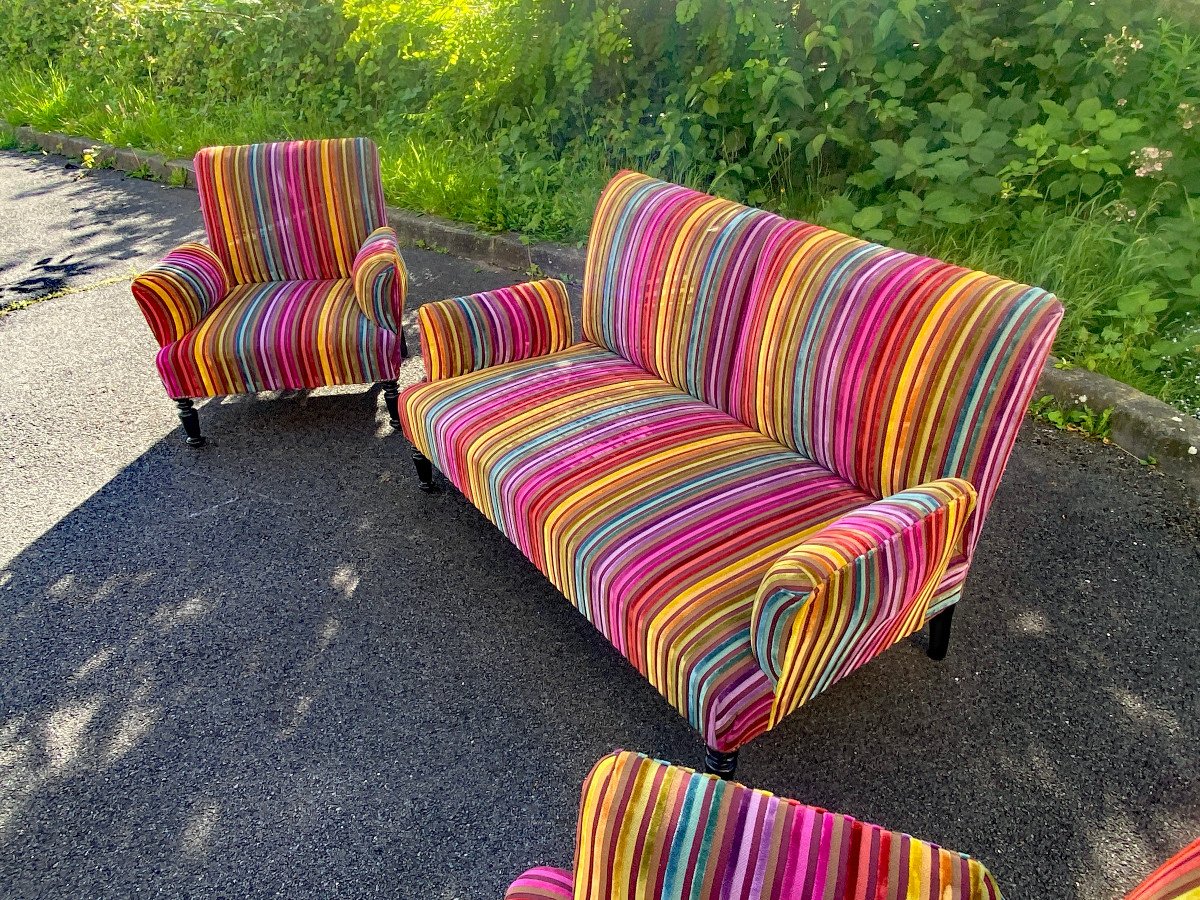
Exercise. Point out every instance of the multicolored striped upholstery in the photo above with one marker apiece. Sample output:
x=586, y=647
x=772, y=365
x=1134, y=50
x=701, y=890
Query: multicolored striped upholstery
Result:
x=542, y=883
x=469, y=333
x=655, y=514
x=759, y=469
x=890, y=369
x=852, y=590
x=280, y=335
x=666, y=279
x=292, y=211
x=304, y=285
x=380, y=279
x=177, y=293
x=1176, y=879
x=651, y=831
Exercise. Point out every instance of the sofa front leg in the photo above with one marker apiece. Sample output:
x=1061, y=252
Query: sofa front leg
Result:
x=424, y=470
x=391, y=394
x=720, y=763
x=939, y=633
x=191, y=422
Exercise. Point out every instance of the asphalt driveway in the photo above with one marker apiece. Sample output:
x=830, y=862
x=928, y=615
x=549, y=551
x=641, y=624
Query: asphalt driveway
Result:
x=273, y=668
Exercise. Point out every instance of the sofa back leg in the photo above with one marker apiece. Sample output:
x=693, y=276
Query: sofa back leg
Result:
x=191, y=422
x=424, y=470
x=939, y=633
x=718, y=762
x=391, y=394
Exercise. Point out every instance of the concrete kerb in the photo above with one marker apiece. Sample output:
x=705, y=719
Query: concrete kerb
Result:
x=1141, y=425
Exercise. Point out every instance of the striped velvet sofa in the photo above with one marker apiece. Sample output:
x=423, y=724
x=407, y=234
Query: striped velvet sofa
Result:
x=301, y=284
x=769, y=458
x=652, y=831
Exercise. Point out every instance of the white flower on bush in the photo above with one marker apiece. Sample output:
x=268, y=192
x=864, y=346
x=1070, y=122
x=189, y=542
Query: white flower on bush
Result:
x=1122, y=210
x=1189, y=115
x=1149, y=160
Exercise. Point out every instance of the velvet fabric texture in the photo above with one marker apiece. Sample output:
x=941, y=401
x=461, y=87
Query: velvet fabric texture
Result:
x=768, y=460
x=651, y=831
x=301, y=284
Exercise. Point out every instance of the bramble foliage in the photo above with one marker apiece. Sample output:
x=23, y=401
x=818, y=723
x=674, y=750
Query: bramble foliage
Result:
x=1053, y=141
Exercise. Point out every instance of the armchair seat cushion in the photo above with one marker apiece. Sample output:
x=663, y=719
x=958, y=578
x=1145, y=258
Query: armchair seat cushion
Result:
x=280, y=335
x=657, y=515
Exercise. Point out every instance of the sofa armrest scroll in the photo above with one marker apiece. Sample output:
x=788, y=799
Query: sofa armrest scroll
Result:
x=178, y=292
x=380, y=279
x=469, y=333
x=855, y=588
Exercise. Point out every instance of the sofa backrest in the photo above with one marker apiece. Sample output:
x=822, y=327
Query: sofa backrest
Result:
x=648, y=831
x=291, y=211
x=887, y=368
x=666, y=279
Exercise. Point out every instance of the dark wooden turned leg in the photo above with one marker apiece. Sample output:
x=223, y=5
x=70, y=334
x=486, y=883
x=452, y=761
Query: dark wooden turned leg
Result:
x=424, y=470
x=191, y=423
x=717, y=762
x=939, y=633
x=390, y=395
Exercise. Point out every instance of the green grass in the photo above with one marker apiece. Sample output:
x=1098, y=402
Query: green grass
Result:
x=1086, y=256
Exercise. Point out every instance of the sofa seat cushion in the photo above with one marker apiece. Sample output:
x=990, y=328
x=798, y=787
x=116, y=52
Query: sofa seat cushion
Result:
x=280, y=335
x=655, y=514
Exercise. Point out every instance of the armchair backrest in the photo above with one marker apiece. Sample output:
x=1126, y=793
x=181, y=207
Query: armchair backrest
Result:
x=648, y=831
x=290, y=211
x=889, y=369
x=666, y=278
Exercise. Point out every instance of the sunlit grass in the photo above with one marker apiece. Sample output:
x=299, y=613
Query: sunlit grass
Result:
x=1087, y=257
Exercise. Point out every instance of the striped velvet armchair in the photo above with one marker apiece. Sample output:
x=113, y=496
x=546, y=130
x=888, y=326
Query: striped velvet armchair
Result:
x=768, y=459
x=651, y=831
x=301, y=284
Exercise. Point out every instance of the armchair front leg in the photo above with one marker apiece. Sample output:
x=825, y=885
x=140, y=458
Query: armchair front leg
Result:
x=855, y=588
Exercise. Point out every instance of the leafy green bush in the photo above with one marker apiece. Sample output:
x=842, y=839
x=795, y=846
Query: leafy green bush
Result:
x=1054, y=141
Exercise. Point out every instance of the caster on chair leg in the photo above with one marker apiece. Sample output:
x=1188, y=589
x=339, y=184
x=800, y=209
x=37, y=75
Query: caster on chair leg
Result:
x=424, y=471
x=391, y=394
x=191, y=423
x=939, y=634
x=720, y=763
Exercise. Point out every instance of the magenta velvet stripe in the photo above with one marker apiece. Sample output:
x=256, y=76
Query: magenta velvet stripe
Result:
x=276, y=336
x=890, y=369
x=290, y=211
x=667, y=273
x=520, y=322
x=180, y=291
x=381, y=280
x=651, y=831
x=542, y=883
x=657, y=515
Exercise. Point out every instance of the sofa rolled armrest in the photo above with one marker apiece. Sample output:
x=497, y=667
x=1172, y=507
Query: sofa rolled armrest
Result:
x=469, y=333
x=380, y=279
x=854, y=588
x=178, y=292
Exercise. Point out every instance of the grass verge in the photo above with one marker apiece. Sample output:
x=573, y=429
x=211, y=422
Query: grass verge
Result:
x=1097, y=260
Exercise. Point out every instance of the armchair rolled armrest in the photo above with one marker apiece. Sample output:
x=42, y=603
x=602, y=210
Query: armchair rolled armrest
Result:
x=178, y=292
x=469, y=333
x=854, y=588
x=380, y=279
